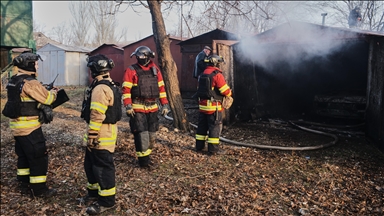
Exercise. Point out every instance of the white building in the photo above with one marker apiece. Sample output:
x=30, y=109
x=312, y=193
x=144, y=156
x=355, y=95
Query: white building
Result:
x=67, y=61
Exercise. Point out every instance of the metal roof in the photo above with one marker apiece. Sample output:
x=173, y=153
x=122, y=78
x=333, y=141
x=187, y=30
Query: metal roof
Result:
x=70, y=48
x=228, y=36
x=109, y=45
x=302, y=32
x=170, y=37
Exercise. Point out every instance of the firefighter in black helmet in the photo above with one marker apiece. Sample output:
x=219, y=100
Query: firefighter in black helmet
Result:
x=143, y=87
x=101, y=110
x=211, y=91
x=28, y=107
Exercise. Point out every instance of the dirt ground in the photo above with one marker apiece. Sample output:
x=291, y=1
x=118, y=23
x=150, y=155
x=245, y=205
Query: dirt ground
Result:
x=344, y=179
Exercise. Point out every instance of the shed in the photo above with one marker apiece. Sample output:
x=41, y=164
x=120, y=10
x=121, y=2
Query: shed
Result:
x=191, y=47
x=149, y=41
x=306, y=71
x=68, y=62
x=116, y=53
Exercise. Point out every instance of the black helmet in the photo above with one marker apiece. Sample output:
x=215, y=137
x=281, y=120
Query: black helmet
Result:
x=215, y=60
x=26, y=61
x=99, y=64
x=143, y=53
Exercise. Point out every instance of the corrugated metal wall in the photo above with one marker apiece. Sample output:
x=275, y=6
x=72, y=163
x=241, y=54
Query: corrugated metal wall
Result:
x=71, y=66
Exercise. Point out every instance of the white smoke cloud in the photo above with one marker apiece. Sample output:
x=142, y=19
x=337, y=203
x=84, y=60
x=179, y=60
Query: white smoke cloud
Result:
x=292, y=43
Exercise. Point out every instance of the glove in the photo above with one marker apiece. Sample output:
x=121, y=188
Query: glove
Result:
x=130, y=111
x=165, y=109
x=93, y=138
x=227, y=102
x=45, y=114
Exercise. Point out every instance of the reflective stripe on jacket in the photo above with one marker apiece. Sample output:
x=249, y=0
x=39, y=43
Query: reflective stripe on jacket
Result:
x=33, y=91
x=102, y=97
x=218, y=81
x=131, y=79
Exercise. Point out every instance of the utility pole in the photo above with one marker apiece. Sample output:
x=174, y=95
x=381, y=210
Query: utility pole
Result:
x=323, y=15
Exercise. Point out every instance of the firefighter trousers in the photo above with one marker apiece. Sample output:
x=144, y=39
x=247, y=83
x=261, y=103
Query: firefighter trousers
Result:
x=143, y=127
x=100, y=171
x=32, y=161
x=211, y=123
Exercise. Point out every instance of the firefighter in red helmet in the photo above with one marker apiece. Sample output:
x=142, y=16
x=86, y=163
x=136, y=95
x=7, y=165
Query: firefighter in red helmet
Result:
x=143, y=87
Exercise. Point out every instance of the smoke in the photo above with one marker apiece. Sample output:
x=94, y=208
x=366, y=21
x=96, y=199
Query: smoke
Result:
x=292, y=43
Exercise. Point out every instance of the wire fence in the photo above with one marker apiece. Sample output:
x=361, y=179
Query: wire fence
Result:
x=4, y=80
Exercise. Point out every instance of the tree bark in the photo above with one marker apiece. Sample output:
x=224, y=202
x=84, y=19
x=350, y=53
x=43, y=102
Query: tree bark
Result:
x=168, y=67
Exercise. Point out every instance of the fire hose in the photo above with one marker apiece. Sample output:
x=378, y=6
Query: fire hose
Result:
x=284, y=148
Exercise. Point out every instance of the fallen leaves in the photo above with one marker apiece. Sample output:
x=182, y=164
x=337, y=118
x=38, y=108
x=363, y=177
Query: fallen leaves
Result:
x=347, y=179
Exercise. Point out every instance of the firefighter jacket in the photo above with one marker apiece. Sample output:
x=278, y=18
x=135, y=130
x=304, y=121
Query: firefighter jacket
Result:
x=131, y=81
x=32, y=92
x=208, y=106
x=102, y=97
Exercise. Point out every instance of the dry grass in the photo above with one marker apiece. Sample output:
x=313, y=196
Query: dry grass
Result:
x=347, y=179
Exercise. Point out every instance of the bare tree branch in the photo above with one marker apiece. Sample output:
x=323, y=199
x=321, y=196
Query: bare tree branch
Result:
x=371, y=11
x=104, y=21
x=61, y=34
x=80, y=24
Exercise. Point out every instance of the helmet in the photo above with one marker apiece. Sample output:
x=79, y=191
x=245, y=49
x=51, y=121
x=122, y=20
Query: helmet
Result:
x=215, y=60
x=143, y=53
x=26, y=61
x=99, y=64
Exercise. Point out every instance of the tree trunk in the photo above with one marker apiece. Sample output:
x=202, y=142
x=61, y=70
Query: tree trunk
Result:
x=168, y=67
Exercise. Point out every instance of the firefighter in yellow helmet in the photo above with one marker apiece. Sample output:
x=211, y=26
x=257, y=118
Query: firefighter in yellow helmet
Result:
x=28, y=107
x=102, y=109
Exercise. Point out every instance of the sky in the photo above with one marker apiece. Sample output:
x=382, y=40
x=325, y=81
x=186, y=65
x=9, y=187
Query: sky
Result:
x=49, y=14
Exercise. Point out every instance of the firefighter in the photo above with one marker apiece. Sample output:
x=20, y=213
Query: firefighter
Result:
x=211, y=91
x=28, y=107
x=143, y=87
x=102, y=109
x=200, y=63
x=354, y=17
